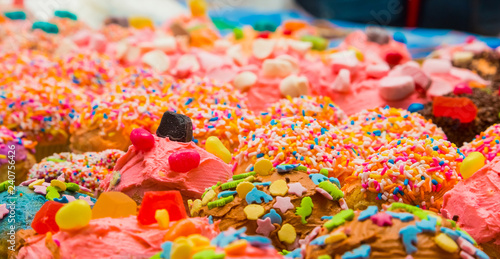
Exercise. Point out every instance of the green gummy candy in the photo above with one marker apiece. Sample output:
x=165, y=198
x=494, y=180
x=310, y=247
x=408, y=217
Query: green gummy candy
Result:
x=46, y=27
x=318, y=43
x=238, y=33
x=208, y=254
x=324, y=172
x=324, y=257
x=301, y=168
x=72, y=187
x=156, y=256
x=52, y=195
x=16, y=15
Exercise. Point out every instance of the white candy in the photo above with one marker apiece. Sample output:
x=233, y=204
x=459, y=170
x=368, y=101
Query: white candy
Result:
x=244, y=80
x=157, y=59
x=342, y=82
x=121, y=49
x=188, y=62
x=396, y=88
x=294, y=86
x=236, y=54
x=436, y=66
x=377, y=70
x=300, y=46
x=262, y=48
x=132, y=54
x=276, y=68
x=168, y=44
x=462, y=56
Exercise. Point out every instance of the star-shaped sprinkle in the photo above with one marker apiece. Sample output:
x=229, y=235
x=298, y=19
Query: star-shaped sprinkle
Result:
x=27, y=182
x=296, y=188
x=69, y=198
x=382, y=219
x=3, y=210
x=87, y=199
x=264, y=227
x=283, y=204
x=40, y=189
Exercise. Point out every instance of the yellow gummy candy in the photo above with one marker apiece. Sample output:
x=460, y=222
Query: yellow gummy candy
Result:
x=278, y=188
x=140, y=22
x=236, y=248
x=74, y=215
x=263, y=167
x=59, y=184
x=199, y=240
x=243, y=188
x=37, y=182
x=254, y=211
x=335, y=237
x=446, y=243
x=181, y=250
x=471, y=164
x=163, y=218
x=287, y=234
x=195, y=206
x=198, y=7
x=208, y=197
x=214, y=146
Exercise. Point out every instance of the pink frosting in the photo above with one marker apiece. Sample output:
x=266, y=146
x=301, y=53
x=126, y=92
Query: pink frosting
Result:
x=150, y=171
x=476, y=201
x=108, y=238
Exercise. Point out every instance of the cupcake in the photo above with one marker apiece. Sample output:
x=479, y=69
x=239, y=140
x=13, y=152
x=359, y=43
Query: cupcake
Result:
x=20, y=204
x=414, y=172
x=16, y=149
x=401, y=231
x=486, y=143
x=230, y=244
x=283, y=203
x=474, y=204
x=371, y=129
x=313, y=143
x=87, y=169
x=168, y=160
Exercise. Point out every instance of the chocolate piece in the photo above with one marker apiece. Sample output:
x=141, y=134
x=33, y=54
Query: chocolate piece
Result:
x=179, y=30
x=122, y=21
x=377, y=35
x=177, y=127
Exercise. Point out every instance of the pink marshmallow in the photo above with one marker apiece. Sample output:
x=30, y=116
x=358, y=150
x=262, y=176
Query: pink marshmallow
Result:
x=422, y=81
x=436, y=66
x=396, y=88
x=439, y=87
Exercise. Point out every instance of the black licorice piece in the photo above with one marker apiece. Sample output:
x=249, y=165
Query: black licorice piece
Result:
x=377, y=35
x=177, y=127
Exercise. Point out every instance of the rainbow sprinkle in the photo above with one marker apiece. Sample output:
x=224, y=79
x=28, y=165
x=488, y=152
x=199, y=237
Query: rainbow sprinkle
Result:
x=487, y=143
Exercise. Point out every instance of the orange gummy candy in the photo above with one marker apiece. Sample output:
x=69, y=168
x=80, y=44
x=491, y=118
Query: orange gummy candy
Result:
x=183, y=227
x=114, y=205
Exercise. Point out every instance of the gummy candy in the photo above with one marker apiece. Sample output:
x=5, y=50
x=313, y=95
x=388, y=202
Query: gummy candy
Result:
x=471, y=164
x=459, y=108
x=142, y=139
x=184, y=161
x=140, y=22
x=214, y=146
x=153, y=201
x=45, y=219
x=74, y=215
x=184, y=227
x=114, y=205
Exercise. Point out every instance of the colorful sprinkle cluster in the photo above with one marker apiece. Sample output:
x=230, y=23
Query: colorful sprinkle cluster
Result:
x=319, y=107
x=416, y=172
x=486, y=143
x=371, y=129
x=86, y=169
x=282, y=201
x=298, y=140
x=223, y=121
x=22, y=145
x=411, y=228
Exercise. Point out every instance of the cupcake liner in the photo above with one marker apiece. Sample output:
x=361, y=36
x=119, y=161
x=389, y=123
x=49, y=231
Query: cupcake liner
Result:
x=46, y=150
x=21, y=170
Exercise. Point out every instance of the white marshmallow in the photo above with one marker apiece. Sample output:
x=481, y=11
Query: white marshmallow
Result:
x=439, y=87
x=476, y=47
x=166, y=44
x=396, y=88
x=132, y=54
x=236, y=54
x=300, y=46
x=244, y=80
x=342, y=82
x=345, y=59
x=377, y=70
x=419, y=77
x=462, y=56
x=157, y=59
x=222, y=45
x=187, y=62
x=121, y=49
x=262, y=48
x=293, y=61
x=294, y=86
x=98, y=43
x=276, y=68
x=436, y=66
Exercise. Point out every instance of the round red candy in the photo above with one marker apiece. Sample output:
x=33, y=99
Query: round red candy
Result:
x=393, y=58
x=462, y=88
x=184, y=161
x=142, y=139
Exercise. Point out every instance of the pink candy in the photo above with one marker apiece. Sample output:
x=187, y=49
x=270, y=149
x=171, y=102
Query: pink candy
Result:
x=142, y=139
x=184, y=161
x=462, y=88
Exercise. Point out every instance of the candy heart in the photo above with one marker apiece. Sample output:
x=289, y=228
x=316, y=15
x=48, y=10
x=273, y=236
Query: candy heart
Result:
x=142, y=139
x=184, y=161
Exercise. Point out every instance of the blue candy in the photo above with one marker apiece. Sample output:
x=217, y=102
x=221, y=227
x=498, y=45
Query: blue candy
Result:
x=274, y=216
x=326, y=217
x=258, y=241
x=63, y=199
x=319, y=241
x=428, y=225
x=358, y=253
x=225, y=238
x=403, y=216
x=481, y=255
x=297, y=253
x=257, y=196
x=335, y=181
x=399, y=37
x=415, y=107
x=409, y=236
x=366, y=214
x=167, y=250
x=285, y=168
x=318, y=178
x=451, y=233
x=226, y=194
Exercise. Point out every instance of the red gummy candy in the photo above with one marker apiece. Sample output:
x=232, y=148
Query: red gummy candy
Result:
x=462, y=88
x=460, y=108
x=45, y=218
x=142, y=139
x=153, y=201
x=183, y=161
x=393, y=58
x=264, y=35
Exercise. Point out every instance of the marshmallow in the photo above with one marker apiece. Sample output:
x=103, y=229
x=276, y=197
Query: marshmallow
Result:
x=422, y=81
x=345, y=59
x=377, y=70
x=156, y=59
x=396, y=88
x=300, y=46
x=81, y=38
x=98, y=43
x=244, y=80
x=294, y=86
x=342, y=82
x=439, y=87
x=187, y=63
x=292, y=60
x=222, y=45
x=436, y=66
x=262, y=48
x=166, y=44
x=121, y=49
x=467, y=75
x=276, y=68
x=461, y=57
x=132, y=54
x=236, y=54
x=476, y=47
